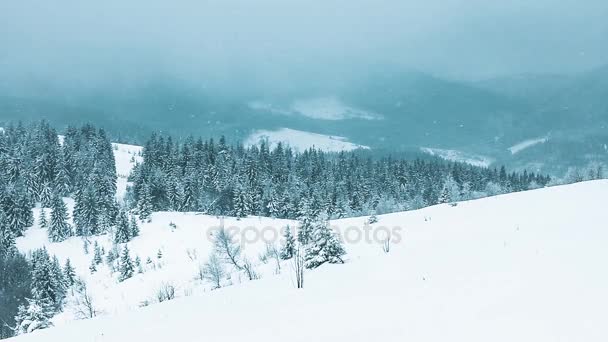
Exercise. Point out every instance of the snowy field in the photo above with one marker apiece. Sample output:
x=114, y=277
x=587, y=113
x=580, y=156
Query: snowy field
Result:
x=126, y=156
x=300, y=140
x=458, y=156
x=321, y=108
x=527, y=266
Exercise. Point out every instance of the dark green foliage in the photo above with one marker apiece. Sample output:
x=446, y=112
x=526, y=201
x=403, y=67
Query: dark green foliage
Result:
x=58, y=228
x=126, y=267
x=219, y=179
x=289, y=244
x=15, y=285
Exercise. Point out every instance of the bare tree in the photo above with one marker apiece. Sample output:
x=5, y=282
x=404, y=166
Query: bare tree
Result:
x=165, y=293
x=273, y=252
x=297, y=263
x=213, y=271
x=227, y=249
x=249, y=270
x=83, y=301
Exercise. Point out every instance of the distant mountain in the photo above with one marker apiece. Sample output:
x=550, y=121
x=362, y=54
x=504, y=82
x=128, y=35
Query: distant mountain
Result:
x=384, y=109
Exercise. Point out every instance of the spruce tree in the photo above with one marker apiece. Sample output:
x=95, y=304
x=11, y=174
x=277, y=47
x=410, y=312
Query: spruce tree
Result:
x=69, y=273
x=126, y=267
x=35, y=315
x=59, y=229
x=42, y=221
x=289, y=244
x=122, y=231
x=144, y=205
x=323, y=247
x=97, y=254
x=133, y=227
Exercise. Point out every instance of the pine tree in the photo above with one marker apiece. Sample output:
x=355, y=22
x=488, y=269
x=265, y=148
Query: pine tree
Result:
x=122, y=232
x=36, y=315
x=59, y=229
x=289, y=244
x=144, y=205
x=69, y=273
x=324, y=247
x=138, y=265
x=97, y=254
x=43, y=222
x=133, y=227
x=47, y=278
x=126, y=268
x=93, y=266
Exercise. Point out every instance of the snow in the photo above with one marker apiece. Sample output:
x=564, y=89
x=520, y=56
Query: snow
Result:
x=320, y=108
x=126, y=157
x=458, y=156
x=525, y=266
x=301, y=140
x=330, y=108
x=527, y=144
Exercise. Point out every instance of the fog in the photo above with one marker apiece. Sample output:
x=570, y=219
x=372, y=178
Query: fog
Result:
x=267, y=42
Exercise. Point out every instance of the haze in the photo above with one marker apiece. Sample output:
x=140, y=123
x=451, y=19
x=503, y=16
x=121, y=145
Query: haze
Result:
x=81, y=43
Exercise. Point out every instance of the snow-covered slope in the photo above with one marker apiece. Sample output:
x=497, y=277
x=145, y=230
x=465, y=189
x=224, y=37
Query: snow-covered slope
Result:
x=458, y=156
x=321, y=108
x=526, y=266
x=300, y=140
x=527, y=144
x=125, y=156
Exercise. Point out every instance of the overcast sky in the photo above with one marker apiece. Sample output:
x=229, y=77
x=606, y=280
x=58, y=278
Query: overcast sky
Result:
x=63, y=40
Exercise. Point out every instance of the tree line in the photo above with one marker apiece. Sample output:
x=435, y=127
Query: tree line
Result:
x=221, y=179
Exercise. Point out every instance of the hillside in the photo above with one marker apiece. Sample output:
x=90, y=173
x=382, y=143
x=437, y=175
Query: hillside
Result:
x=523, y=266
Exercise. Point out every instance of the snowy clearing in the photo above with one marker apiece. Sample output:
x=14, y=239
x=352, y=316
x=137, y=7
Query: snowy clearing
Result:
x=527, y=144
x=331, y=108
x=518, y=267
x=125, y=156
x=300, y=140
x=321, y=108
x=458, y=156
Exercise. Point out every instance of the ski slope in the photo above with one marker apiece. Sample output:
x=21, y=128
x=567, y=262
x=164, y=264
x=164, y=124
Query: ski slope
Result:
x=527, y=266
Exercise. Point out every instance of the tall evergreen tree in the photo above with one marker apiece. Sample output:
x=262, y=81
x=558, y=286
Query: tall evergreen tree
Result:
x=126, y=267
x=59, y=229
x=289, y=244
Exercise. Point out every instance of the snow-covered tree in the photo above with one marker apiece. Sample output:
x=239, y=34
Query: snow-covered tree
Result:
x=126, y=267
x=323, y=247
x=213, y=271
x=36, y=315
x=69, y=273
x=289, y=244
x=133, y=227
x=42, y=222
x=122, y=231
x=59, y=229
x=227, y=249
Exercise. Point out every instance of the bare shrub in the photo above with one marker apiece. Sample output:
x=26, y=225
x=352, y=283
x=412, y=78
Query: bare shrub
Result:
x=165, y=293
x=83, y=302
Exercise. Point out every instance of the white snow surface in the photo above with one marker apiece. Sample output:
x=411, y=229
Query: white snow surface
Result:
x=126, y=157
x=321, y=108
x=459, y=156
x=527, y=266
x=527, y=144
x=301, y=140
